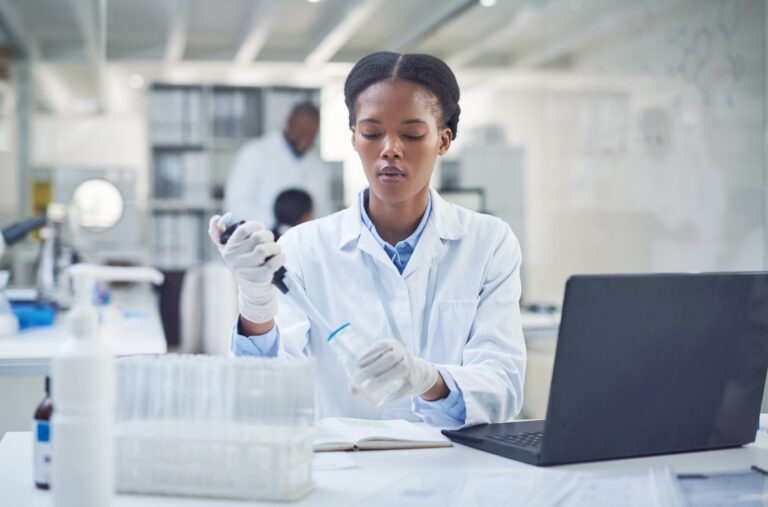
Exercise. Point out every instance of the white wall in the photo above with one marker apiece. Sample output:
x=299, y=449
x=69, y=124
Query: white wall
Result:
x=9, y=177
x=337, y=138
x=647, y=154
x=112, y=140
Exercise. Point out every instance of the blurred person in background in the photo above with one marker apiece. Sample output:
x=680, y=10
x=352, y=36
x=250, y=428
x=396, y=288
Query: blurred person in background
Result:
x=292, y=207
x=275, y=162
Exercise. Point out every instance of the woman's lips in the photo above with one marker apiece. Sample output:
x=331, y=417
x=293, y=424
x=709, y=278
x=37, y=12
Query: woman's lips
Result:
x=390, y=174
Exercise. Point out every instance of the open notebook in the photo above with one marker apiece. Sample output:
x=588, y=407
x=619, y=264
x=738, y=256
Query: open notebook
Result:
x=345, y=434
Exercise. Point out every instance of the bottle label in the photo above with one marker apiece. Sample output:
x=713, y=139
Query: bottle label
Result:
x=41, y=431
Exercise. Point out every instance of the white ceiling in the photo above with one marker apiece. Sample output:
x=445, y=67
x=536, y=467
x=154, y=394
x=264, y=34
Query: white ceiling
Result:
x=283, y=39
x=255, y=31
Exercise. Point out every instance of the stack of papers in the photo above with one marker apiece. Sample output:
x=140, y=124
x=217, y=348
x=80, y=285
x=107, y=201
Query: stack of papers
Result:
x=748, y=487
x=524, y=487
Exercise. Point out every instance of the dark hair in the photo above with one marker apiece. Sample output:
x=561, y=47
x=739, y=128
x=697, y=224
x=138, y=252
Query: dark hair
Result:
x=307, y=108
x=290, y=206
x=428, y=71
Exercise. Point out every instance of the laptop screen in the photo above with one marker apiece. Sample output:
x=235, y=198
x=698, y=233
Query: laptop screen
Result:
x=657, y=363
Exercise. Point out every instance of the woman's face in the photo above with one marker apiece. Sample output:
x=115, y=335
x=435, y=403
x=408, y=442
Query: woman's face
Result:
x=397, y=138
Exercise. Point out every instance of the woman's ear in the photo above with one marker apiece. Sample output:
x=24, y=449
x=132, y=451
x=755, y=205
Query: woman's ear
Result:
x=353, y=138
x=446, y=136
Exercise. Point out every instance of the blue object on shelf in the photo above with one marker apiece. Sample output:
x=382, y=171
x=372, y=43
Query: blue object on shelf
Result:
x=101, y=297
x=32, y=315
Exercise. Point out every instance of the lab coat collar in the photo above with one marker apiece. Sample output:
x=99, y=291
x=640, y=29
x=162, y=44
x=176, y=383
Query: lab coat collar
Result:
x=446, y=218
x=444, y=223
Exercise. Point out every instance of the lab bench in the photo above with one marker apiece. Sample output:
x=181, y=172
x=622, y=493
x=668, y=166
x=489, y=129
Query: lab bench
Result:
x=378, y=471
x=130, y=324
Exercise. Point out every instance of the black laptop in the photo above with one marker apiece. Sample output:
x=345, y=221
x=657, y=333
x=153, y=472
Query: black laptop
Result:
x=646, y=364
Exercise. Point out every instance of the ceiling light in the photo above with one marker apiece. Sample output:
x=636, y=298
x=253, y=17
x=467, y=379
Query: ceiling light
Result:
x=314, y=1
x=487, y=3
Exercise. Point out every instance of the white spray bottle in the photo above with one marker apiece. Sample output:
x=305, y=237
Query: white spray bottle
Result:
x=82, y=373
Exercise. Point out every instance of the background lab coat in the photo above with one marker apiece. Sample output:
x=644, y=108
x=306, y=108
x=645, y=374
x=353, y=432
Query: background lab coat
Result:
x=265, y=167
x=474, y=328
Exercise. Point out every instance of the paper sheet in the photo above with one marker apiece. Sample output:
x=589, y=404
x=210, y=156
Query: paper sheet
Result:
x=531, y=487
x=745, y=488
x=324, y=461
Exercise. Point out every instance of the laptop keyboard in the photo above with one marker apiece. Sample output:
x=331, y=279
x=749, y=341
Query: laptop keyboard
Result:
x=532, y=439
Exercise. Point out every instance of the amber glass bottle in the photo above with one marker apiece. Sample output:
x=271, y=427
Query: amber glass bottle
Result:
x=41, y=432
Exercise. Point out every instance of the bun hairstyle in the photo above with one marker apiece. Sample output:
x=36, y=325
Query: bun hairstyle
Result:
x=428, y=71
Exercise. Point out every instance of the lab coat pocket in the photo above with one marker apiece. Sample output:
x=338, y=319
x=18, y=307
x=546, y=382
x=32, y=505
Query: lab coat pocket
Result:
x=455, y=318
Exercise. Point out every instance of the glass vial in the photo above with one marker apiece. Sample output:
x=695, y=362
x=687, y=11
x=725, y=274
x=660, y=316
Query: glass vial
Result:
x=41, y=432
x=347, y=344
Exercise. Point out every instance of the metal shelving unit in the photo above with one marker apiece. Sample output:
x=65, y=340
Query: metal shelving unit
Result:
x=195, y=131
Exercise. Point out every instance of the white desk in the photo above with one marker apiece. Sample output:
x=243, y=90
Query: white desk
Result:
x=376, y=470
x=131, y=325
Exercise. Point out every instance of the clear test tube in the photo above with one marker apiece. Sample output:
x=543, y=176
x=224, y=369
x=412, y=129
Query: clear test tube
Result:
x=347, y=344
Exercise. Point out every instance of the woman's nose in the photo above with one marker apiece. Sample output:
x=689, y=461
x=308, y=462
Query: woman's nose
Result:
x=392, y=148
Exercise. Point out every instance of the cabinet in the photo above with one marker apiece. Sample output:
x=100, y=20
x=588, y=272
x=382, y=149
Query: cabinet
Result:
x=195, y=131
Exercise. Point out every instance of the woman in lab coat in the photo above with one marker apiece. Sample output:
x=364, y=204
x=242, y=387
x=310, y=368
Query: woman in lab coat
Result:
x=441, y=306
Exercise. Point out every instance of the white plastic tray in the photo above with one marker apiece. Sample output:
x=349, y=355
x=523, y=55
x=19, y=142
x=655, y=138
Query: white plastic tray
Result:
x=227, y=460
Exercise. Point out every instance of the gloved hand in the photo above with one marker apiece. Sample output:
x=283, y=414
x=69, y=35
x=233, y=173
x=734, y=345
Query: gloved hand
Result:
x=253, y=256
x=386, y=364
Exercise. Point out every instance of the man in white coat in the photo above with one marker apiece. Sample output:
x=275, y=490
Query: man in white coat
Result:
x=275, y=162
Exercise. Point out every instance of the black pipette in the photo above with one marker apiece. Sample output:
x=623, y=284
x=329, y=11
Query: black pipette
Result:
x=228, y=232
x=279, y=276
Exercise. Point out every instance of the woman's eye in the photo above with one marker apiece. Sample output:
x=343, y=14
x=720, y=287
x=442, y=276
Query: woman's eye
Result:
x=414, y=138
x=369, y=136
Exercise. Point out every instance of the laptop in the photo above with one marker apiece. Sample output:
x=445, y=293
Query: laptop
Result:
x=646, y=364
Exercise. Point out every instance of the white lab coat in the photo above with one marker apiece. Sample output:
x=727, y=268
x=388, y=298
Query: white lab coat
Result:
x=474, y=324
x=265, y=167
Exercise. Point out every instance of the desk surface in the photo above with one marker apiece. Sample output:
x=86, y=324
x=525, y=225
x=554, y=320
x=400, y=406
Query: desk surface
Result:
x=376, y=470
x=130, y=324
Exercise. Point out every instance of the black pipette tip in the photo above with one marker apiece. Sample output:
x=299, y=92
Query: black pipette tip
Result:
x=277, y=279
x=229, y=231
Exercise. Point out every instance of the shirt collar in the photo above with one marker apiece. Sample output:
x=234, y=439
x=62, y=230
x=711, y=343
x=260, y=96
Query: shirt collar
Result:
x=290, y=148
x=445, y=218
x=410, y=241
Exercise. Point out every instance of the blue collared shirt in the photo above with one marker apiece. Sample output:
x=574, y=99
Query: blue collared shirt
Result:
x=400, y=253
x=266, y=345
x=453, y=404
